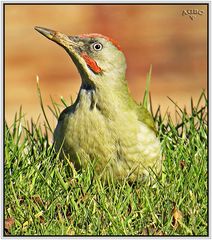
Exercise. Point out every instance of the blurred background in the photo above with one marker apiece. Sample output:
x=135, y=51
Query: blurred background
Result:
x=160, y=35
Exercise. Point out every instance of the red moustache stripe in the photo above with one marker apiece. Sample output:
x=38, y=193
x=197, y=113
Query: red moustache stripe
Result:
x=91, y=63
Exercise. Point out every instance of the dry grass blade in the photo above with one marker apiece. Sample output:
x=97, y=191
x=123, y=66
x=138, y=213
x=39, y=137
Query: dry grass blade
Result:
x=42, y=106
x=146, y=102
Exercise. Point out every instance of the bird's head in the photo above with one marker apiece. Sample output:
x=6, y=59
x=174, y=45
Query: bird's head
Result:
x=98, y=58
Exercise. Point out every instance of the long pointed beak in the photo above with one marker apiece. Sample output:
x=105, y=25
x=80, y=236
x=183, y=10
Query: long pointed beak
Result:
x=46, y=32
x=70, y=43
x=58, y=37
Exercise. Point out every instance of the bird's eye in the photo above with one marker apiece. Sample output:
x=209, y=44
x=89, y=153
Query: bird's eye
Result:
x=97, y=46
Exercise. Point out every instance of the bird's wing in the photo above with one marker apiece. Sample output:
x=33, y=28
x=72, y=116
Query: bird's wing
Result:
x=145, y=117
x=142, y=113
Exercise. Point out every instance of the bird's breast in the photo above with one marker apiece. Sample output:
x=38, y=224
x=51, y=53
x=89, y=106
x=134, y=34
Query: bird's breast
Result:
x=122, y=141
x=86, y=132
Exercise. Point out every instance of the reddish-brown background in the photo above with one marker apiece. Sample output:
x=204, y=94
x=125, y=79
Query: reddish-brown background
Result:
x=159, y=35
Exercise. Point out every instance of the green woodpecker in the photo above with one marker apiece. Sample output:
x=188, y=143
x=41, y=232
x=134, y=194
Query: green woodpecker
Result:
x=104, y=126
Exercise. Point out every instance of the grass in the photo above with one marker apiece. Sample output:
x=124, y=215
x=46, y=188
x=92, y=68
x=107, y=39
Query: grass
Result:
x=46, y=196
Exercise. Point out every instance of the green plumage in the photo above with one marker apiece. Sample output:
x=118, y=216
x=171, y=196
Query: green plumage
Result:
x=104, y=127
x=145, y=117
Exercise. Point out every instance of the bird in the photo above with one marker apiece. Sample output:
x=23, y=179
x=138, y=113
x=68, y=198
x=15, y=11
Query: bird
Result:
x=105, y=127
